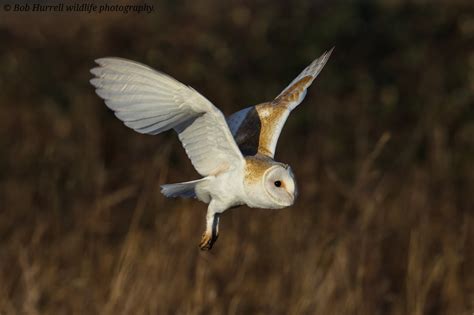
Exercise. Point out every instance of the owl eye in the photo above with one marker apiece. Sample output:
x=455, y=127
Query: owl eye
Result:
x=277, y=183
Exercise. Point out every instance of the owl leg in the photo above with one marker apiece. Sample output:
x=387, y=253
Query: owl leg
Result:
x=209, y=237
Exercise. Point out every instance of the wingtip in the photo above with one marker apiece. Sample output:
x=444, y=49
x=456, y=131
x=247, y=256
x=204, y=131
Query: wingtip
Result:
x=329, y=52
x=325, y=56
x=99, y=61
x=322, y=59
x=105, y=60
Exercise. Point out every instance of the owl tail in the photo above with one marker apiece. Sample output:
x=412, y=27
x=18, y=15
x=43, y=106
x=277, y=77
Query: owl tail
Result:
x=184, y=190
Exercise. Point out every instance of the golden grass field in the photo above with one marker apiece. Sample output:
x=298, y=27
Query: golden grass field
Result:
x=382, y=148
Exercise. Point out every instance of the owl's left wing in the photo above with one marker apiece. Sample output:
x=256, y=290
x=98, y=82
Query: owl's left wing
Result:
x=256, y=129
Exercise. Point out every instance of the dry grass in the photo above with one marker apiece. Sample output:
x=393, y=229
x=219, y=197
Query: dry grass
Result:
x=383, y=223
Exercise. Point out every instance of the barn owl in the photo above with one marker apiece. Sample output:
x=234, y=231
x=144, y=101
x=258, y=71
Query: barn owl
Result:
x=234, y=155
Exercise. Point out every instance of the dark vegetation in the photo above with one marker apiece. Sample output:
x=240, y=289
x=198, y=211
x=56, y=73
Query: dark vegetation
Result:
x=382, y=147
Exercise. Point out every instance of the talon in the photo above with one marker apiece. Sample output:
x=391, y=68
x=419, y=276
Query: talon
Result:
x=209, y=237
x=207, y=241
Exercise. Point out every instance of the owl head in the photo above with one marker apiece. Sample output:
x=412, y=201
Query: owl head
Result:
x=279, y=184
x=275, y=187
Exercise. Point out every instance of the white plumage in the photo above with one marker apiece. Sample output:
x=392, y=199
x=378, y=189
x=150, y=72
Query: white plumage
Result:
x=151, y=102
x=234, y=156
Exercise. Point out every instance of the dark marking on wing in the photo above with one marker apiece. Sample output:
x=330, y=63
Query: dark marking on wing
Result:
x=248, y=134
x=259, y=127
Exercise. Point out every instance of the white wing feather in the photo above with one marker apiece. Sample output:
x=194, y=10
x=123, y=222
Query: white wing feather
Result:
x=151, y=102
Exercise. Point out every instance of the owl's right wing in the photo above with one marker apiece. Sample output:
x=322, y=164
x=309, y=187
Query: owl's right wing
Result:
x=151, y=102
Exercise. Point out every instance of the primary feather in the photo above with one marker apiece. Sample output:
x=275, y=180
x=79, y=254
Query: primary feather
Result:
x=151, y=102
x=257, y=128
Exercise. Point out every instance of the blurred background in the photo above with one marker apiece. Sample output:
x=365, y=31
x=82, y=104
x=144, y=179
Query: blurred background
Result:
x=382, y=148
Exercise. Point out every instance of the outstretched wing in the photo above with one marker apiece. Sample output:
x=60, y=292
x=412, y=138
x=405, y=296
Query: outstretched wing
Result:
x=256, y=129
x=151, y=102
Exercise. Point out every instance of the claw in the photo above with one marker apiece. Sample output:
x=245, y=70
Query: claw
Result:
x=210, y=237
x=207, y=241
